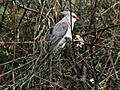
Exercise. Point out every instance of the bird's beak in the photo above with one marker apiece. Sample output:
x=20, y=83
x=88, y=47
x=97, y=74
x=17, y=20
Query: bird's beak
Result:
x=77, y=18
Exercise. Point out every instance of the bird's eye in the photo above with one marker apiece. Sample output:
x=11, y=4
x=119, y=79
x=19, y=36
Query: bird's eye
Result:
x=77, y=18
x=74, y=17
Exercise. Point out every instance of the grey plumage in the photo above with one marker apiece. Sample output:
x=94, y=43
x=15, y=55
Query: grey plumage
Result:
x=60, y=30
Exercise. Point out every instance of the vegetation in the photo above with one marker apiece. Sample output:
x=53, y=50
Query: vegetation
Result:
x=25, y=27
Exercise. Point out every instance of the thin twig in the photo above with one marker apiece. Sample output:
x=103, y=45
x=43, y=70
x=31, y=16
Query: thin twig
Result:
x=24, y=7
x=3, y=14
x=23, y=14
x=110, y=8
x=24, y=42
x=102, y=29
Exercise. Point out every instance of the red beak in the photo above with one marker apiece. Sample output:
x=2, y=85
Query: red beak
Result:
x=78, y=18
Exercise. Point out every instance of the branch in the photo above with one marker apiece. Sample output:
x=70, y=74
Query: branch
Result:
x=3, y=14
x=23, y=15
x=25, y=42
x=102, y=29
x=110, y=8
x=98, y=45
x=26, y=8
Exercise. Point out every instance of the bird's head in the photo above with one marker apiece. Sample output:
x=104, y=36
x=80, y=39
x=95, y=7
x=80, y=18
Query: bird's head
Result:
x=68, y=14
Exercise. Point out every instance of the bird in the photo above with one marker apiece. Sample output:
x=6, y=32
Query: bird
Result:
x=62, y=31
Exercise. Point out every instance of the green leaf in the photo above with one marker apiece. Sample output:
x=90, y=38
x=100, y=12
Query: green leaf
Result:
x=1, y=10
x=118, y=56
x=74, y=1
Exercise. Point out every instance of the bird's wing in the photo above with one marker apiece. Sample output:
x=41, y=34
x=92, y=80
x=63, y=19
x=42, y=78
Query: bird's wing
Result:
x=59, y=31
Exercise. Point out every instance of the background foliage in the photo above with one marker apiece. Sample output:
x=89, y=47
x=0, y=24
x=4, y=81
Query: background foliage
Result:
x=25, y=26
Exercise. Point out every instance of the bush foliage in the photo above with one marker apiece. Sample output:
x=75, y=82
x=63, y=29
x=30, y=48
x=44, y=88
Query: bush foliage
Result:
x=25, y=27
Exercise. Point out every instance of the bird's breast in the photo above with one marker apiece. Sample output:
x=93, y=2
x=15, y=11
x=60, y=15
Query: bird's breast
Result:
x=68, y=34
